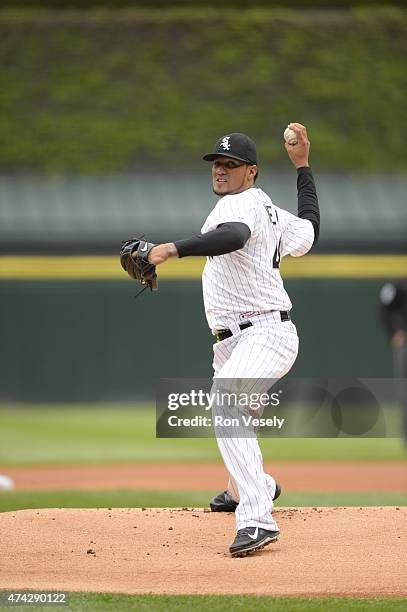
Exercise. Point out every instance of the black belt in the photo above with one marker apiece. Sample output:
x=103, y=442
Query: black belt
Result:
x=222, y=334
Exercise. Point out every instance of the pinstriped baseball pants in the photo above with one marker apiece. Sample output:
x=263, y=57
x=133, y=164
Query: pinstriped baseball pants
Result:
x=251, y=360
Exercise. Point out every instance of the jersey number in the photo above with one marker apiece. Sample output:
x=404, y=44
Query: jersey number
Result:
x=277, y=256
x=273, y=216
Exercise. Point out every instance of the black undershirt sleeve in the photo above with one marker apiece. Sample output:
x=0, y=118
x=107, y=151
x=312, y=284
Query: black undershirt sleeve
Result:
x=226, y=238
x=308, y=207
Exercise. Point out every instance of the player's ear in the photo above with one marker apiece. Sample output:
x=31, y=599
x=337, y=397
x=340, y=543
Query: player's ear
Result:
x=253, y=171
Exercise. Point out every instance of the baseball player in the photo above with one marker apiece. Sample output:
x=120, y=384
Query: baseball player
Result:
x=248, y=310
x=393, y=299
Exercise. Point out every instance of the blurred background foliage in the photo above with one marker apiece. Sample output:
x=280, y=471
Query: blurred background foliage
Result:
x=113, y=91
x=114, y=4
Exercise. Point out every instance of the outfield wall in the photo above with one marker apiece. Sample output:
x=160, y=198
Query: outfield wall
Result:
x=89, y=340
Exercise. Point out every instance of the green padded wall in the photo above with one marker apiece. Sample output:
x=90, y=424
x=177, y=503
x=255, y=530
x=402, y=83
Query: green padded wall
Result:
x=91, y=341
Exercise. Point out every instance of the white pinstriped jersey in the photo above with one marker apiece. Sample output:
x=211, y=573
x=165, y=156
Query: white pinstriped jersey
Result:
x=246, y=282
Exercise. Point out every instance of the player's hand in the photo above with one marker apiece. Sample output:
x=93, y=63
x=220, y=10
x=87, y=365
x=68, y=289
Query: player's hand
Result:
x=160, y=253
x=298, y=153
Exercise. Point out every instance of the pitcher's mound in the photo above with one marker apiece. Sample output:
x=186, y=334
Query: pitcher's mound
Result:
x=321, y=551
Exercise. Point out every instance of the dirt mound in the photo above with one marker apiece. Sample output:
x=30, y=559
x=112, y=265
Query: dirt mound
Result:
x=321, y=551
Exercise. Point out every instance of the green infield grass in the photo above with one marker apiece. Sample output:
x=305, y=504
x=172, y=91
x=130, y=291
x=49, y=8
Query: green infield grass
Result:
x=90, y=602
x=117, y=434
x=125, y=498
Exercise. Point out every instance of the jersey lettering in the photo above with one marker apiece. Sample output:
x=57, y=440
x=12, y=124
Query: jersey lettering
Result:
x=272, y=213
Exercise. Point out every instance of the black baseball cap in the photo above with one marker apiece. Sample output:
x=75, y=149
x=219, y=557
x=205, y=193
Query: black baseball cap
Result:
x=235, y=145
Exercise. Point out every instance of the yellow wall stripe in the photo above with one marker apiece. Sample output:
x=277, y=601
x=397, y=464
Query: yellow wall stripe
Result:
x=108, y=267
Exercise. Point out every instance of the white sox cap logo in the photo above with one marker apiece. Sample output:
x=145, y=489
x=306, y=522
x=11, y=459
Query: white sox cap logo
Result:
x=236, y=145
x=225, y=143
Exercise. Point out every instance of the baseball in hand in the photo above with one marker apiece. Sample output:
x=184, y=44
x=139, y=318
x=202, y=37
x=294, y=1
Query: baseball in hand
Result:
x=290, y=136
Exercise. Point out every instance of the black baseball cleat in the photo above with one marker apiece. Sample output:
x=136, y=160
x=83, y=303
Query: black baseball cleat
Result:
x=250, y=539
x=224, y=502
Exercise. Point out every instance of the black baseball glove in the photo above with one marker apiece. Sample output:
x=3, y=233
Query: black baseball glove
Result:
x=134, y=260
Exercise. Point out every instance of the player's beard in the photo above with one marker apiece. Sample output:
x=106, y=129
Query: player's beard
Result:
x=231, y=192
